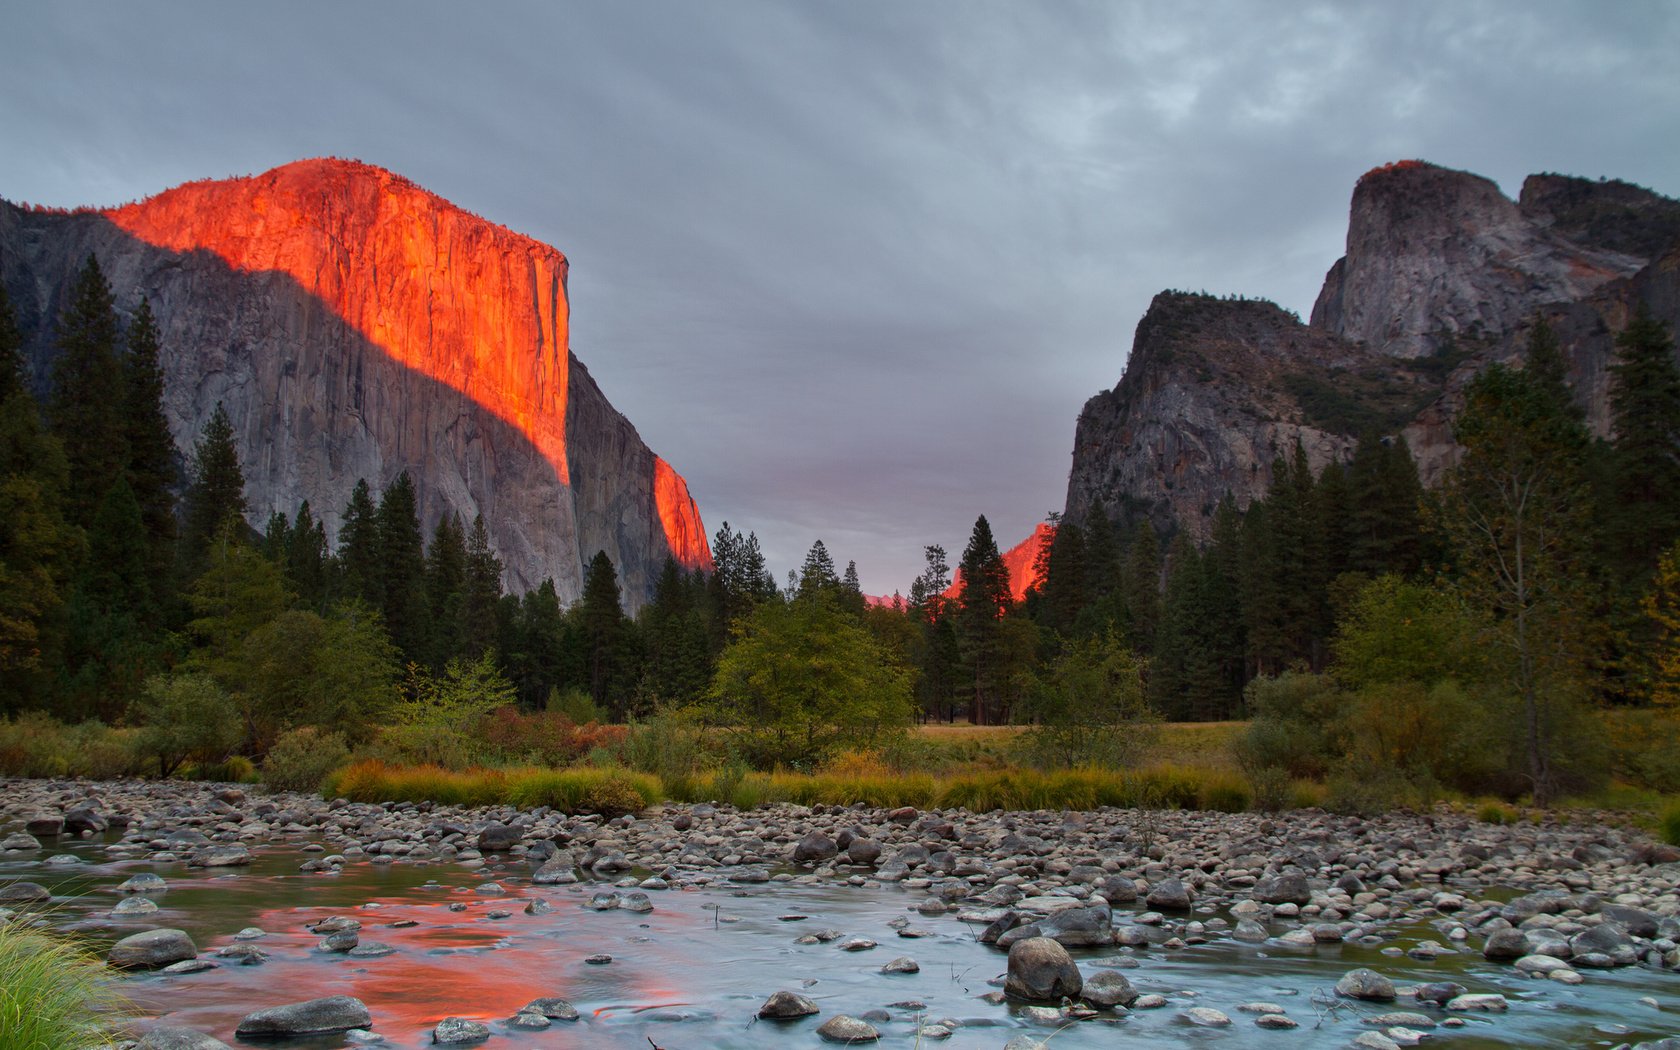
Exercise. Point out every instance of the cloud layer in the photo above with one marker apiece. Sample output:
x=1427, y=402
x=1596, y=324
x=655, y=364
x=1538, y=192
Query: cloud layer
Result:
x=854, y=267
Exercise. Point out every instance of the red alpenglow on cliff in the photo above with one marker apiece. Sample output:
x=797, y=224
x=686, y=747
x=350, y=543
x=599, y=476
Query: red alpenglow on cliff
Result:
x=474, y=307
x=1019, y=560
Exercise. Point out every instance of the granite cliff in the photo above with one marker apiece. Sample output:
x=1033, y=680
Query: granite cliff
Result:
x=1443, y=276
x=356, y=326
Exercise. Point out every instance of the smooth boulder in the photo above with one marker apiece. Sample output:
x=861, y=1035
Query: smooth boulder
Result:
x=1040, y=970
x=335, y=1013
x=175, y=1037
x=152, y=949
x=784, y=1006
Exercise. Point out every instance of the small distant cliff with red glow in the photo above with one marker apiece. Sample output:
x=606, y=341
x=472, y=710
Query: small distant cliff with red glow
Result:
x=357, y=326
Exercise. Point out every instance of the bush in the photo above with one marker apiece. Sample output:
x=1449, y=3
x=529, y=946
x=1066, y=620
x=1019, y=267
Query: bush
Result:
x=1292, y=715
x=187, y=717
x=302, y=759
x=1668, y=825
x=235, y=769
x=1364, y=791
x=1496, y=813
x=35, y=745
x=671, y=744
x=1224, y=794
x=1270, y=789
x=576, y=705
x=53, y=994
x=101, y=752
x=544, y=738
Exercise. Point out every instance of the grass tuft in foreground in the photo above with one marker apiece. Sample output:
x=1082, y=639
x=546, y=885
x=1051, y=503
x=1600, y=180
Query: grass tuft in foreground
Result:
x=53, y=995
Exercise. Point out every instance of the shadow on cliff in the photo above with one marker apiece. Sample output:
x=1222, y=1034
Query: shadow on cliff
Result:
x=317, y=405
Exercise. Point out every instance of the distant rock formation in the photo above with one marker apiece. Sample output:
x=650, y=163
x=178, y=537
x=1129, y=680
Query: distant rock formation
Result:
x=1443, y=276
x=356, y=326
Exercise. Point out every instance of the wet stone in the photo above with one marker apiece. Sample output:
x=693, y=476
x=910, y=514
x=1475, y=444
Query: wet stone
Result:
x=785, y=1005
x=552, y=1007
x=459, y=1031
x=843, y=1028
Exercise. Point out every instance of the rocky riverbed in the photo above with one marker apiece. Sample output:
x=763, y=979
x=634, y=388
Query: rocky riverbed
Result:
x=1535, y=931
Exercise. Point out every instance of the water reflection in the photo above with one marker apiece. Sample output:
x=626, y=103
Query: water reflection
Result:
x=692, y=973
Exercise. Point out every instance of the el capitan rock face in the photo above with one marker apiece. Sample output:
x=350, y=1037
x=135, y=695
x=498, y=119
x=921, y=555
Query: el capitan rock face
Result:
x=356, y=326
x=1443, y=276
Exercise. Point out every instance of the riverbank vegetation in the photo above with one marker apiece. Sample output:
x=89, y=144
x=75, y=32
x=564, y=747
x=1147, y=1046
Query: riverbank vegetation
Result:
x=1512, y=634
x=53, y=994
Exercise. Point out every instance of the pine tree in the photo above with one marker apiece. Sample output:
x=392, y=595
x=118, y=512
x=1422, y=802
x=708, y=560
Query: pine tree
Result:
x=601, y=617
x=482, y=592
x=535, y=652
x=88, y=393
x=1063, y=593
x=1645, y=456
x=358, y=549
x=306, y=559
x=982, y=600
x=679, y=664
x=817, y=576
x=1142, y=595
x=402, y=568
x=216, y=498
x=1515, y=509
x=151, y=449
x=38, y=547
x=1543, y=360
x=446, y=573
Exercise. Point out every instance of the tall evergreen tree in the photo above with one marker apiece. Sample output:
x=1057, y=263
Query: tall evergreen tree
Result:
x=983, y=598
x=402, y=568
x=1064, y=593
x=482, y=591
x=216, y=498
x=151, y=449
x=88, y=393
x=1645, y=457
x=358, y=549
x=446, y=574
x=306, y=559
x=1143, y=588
x=601, y=617
x=1514, y=509
x=817, y=575
x=38, y=547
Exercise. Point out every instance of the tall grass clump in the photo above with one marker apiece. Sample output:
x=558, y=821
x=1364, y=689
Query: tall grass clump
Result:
x=1668, y=825
x=53, y=994
x=302, y=759
x=609, y=792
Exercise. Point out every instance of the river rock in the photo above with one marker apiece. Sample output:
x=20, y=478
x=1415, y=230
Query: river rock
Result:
x=1040, y=970
x=815, y=848
x=842, y=1028
x=459, y=1031
x=552, y=1007
x=784, y=1005
x=132, y=906
x=143, y=882
x=1288, y=888
x=1365, y=984
x=176, y=1037
x=45, y=824
x=1078, y=927
x=1637, y=921
x=1276, y=1021
x=499, y=838
x=83, y=818
x=152, y=949
x=902, y=964
x=20, y=840
x=24, y=892
x=1170, y=895
x=1108, y=988
x=335, y=1013
x=1506, y=945
x=1485, y=1003
x=1249, y=932
x=230, y=855
x=1205, y=1017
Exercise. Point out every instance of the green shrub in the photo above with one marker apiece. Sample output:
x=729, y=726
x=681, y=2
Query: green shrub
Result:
x=618, y=794
x=670, y=744
x=34, y=745
x=1224, y=794
x=575, y=704
x=1496, y=813
x=235, y=769
x=188, y=717
x=101, y=752
x=302, y=759
x=54, y=995
x=1668, y=825
x=1270, y=789
x=1292, y=714
x=1366, y=791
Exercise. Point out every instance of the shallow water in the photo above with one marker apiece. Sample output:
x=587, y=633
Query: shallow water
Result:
x=693, y=973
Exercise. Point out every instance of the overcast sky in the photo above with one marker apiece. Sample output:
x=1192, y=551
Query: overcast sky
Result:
x=853, y=267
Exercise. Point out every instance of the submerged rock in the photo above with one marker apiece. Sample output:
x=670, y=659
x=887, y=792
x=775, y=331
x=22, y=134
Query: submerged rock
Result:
x=334, y=1013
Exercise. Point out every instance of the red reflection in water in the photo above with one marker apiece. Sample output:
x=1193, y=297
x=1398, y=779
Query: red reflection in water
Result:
x=461, y=964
